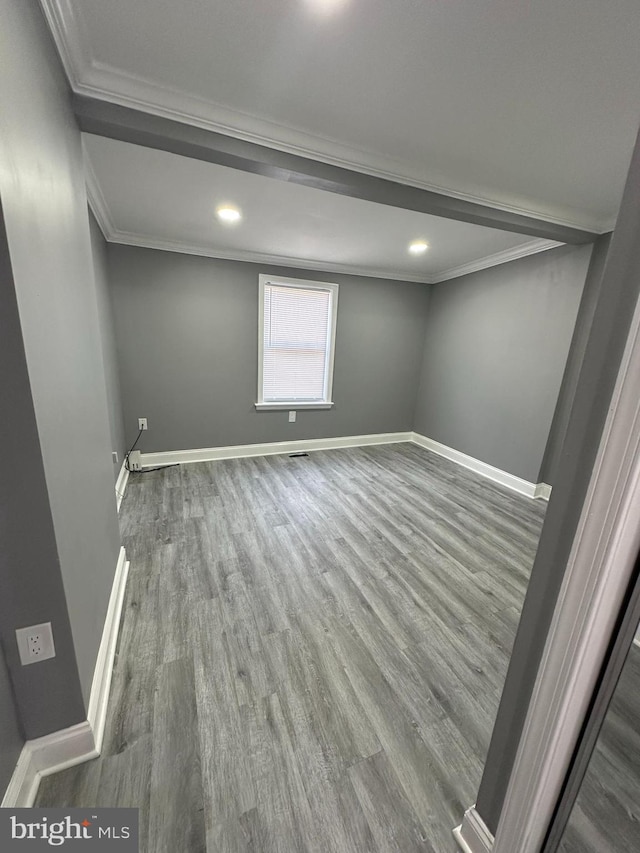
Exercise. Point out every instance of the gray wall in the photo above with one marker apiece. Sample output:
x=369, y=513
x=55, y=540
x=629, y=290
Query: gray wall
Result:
x=617, y=289
x=108, y=344
x=495, y=351
x=12, y=372
x=47, y=695
x=187, y=333
x=11, y=739
x=45, y=208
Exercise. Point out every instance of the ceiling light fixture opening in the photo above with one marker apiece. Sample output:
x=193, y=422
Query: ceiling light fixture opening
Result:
x=326, y=7
x=418, y=247
x=229, y=214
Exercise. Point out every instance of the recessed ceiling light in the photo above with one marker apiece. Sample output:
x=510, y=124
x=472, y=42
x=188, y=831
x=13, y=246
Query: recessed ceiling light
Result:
x=325, y=6
x=418, y=247
x=229, y=214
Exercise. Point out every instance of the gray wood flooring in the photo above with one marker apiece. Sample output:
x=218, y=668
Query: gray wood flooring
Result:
x=606, y=816
x=311, y=652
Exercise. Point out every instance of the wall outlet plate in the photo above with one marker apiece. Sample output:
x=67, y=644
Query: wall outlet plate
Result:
x=114, y=457
x=292, y=417
x=35, y=643
x=142, y=423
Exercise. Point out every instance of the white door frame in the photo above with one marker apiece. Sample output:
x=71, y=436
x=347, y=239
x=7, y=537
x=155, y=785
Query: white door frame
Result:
x=600, y=565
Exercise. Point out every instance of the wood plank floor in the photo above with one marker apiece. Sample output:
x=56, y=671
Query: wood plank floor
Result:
x=311, y=653
x=606, y=816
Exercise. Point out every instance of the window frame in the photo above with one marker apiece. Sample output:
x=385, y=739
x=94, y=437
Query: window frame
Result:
x=301, y=284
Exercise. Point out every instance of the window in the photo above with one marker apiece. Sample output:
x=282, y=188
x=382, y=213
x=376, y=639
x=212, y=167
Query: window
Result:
x=297, y=331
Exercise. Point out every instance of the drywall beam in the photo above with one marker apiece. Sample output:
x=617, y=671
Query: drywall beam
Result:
x=140, y=128
x=582, y=329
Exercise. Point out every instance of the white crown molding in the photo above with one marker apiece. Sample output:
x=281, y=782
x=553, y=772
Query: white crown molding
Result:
x=130, y=238
x=66, y=32
x=503, y=257
x=96, y=199
x=101, y=81
x=105, y=83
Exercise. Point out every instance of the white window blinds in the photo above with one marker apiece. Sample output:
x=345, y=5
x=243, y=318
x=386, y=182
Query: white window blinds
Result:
x=297, y=339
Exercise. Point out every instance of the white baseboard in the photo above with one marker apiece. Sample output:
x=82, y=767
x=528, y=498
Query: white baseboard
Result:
x=121, y=484
x=543, y=491
x=101, y=684
x=211, y=454
x=44, y=756
x=517, y=484
x=59, y=750
x=472, y=835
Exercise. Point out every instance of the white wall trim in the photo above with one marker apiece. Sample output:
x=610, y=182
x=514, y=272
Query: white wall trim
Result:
x=106, y=83
x=292, y=405
x=95, y=197
x=46, y=755
x=121, y=484
x=531, y=248
x=333, y=291
x=99, y=80
x=109, y=84
x=211, y=454
x=66, y=34
x=22, y=785
x=517, y=484
x=65, y=748
x=542, y=491
x=101, y=684
x=473, y=835
x=112, y=234
x=129, y=238
x=600, y=566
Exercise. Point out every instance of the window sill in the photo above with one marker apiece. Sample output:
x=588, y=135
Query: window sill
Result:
x=293, y=405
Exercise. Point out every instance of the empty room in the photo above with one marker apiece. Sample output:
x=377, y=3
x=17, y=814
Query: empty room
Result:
x=315, y=322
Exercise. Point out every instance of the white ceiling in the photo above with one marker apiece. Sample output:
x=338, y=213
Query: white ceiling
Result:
x=530, y=105
x=146, y=197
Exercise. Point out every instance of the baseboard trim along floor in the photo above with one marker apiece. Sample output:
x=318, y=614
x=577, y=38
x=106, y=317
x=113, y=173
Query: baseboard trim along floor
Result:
x=121, y=484
x=65, y=748
x=472, y=835
x=44, y=756
x=211, y=454
x=101, y=684
x=516, y=484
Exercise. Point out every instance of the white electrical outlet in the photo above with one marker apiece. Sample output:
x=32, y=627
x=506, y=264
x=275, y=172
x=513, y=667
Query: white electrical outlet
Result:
x=292, y=417
x=35, y=643
x=114, y=457
x=142, y=423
